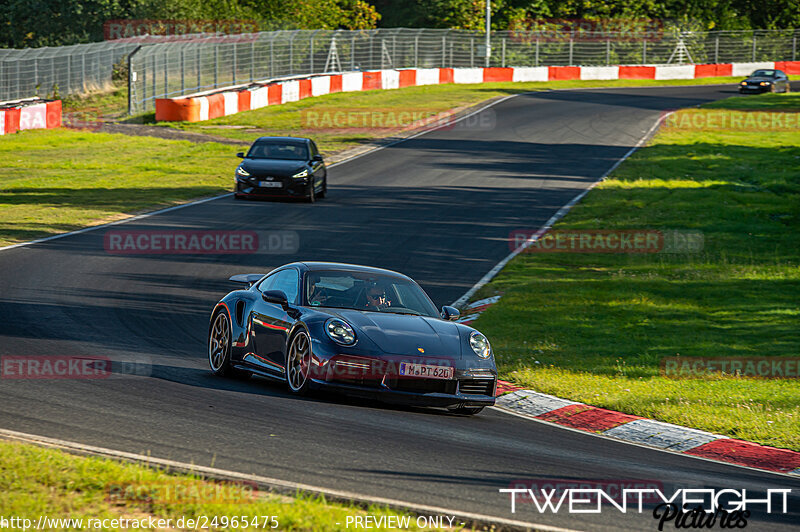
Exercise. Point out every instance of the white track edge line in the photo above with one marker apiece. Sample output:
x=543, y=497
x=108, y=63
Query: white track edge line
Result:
x=491, y=274
x=638, y=444
x=272, y=483
x=204, y=200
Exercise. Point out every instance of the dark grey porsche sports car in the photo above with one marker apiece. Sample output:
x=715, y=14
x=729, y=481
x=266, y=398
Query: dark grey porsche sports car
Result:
x=765, y=80
x=359, y=330
x=281, y=167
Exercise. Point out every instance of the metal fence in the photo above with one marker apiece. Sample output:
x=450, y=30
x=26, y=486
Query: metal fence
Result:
x=184, y=67
x=63, y=70
x=178, y=66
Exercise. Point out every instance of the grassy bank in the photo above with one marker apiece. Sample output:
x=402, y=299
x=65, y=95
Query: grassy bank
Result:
x=375, y=114
x=38, y=482
x=595, y=327
x=52, y=181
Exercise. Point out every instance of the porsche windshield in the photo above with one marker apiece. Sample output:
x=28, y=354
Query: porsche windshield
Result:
x=367, y=291
x=287, y=151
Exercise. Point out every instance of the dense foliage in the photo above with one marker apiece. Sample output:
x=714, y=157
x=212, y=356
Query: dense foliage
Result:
x=33, y=23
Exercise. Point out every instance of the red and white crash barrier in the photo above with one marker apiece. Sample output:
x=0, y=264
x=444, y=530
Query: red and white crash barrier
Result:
x=29, y=114
x=226, y=102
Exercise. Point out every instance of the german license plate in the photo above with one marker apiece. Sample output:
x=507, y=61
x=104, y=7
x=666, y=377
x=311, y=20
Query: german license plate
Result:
x=427, y=371
x=270, y=184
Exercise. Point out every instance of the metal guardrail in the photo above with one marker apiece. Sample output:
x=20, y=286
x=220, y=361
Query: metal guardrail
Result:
x=180, y=65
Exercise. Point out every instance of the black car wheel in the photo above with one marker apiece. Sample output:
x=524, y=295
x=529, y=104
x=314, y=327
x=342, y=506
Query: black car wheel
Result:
x=324, y=189
x=466, y=410
x=219, y=348
x=298, y=363
x=312, y=195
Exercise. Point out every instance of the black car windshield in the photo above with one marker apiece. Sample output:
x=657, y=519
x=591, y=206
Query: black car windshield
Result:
x=763, y=74
x=287, y=151
x=368, y=291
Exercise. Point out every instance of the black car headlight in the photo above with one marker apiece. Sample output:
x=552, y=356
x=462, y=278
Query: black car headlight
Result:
x=242, y=172
x=340, y=331
x=301, y=173
x=479, y=344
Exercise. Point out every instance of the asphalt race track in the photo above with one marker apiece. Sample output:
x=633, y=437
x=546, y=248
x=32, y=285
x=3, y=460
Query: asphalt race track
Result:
x=439, y=208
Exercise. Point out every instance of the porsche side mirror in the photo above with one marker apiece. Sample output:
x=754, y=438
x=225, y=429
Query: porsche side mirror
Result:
x=240, y=155
x=275, y=296
x=450, y=313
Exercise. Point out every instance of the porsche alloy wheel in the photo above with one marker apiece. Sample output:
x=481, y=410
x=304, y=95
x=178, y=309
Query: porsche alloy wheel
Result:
x=298, y=363
x=219, y=345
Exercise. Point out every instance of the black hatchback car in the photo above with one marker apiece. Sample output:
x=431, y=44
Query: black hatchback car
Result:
x=282, y=167
x=765, y=80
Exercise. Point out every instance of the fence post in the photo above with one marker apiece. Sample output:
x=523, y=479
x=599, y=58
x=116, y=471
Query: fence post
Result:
x=504, y=52
x=131, y=80
x=166, y=77
x=155, y=79
x=353, y=51
x=716, y=50
x=371, y=52
x=644, y=51
x=571, y=42
x=754, y=46
x=183, y=71
x=197, y=64
x=472, y=52
x=233, y=62
x=794, y=47
x=416, y=51
x=216, y=64
x=291, y=54
x=252, y=60
x=311, y=52
x=536, y=63
x=608, y=52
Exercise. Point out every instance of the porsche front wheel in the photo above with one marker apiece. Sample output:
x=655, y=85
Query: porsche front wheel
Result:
x=298, y=363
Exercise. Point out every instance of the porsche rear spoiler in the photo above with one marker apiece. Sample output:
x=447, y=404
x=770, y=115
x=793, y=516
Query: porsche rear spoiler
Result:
x=247, y=278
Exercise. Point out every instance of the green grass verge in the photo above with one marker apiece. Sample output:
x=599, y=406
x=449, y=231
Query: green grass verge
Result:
x=594, y=327
x=52, y=181
x=42, y=482
x=295, y=118
x=762, y=102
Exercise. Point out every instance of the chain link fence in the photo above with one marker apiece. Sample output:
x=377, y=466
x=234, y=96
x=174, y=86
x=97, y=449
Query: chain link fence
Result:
x=174, y=69
x=161, y=68
x=62, y=70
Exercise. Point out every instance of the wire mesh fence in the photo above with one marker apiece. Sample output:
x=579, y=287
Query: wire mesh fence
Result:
x=170, y=67
x=59, y=70
x=180, y=68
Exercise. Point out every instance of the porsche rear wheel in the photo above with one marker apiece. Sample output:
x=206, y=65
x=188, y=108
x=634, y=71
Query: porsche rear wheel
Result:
x=298, y=363
x=219, y=348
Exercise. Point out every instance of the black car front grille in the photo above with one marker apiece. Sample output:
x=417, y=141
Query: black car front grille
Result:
x=358, y=381
x=476, y=386
x=422, y=385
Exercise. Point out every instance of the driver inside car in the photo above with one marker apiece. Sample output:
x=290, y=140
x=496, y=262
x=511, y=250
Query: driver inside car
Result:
x=377, y=298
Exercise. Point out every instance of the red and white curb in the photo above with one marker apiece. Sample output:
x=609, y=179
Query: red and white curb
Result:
x=230, y=100
x=635, y=429
x=475, y=309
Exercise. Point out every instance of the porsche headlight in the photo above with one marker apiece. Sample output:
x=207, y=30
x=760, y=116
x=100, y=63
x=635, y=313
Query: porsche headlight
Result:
x=242, y=172
x=340, y=331
x=479, y=344
x=302, y=173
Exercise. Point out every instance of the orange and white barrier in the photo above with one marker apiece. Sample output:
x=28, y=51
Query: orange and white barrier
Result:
x=29, y=114
x=233, y=100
